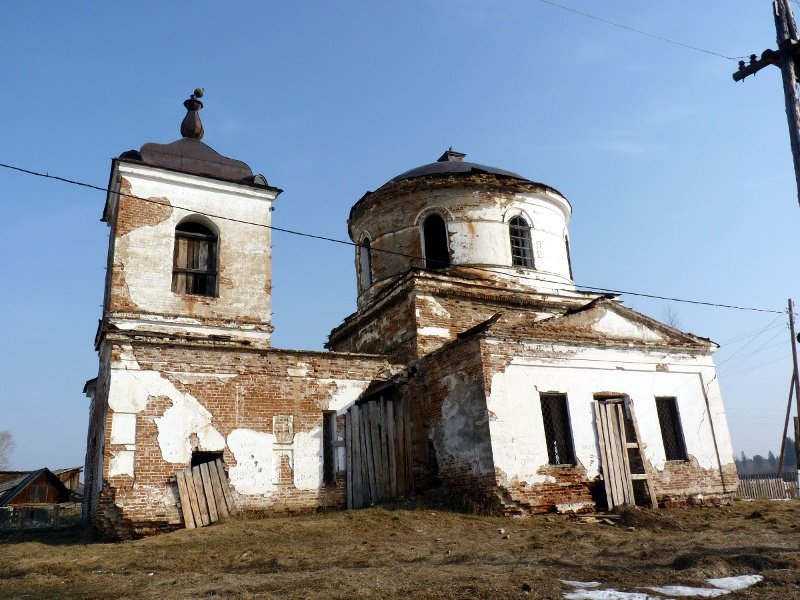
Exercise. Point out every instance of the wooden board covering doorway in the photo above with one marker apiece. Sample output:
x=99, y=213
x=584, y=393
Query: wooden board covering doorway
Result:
x=378, y=451
x=616, y=442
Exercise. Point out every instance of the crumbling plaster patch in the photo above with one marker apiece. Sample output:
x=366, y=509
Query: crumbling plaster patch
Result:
x=308, y=459
x=255, y=469
x=131, y=388
x=121, y=463
x=345, y=393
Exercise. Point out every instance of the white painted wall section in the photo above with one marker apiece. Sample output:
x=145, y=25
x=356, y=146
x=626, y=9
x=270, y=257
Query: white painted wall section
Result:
x=254, y=471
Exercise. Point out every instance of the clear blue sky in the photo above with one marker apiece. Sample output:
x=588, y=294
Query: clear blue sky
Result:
x=681, y=181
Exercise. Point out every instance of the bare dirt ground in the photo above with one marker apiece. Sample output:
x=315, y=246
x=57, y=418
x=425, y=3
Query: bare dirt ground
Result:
x=418, y=551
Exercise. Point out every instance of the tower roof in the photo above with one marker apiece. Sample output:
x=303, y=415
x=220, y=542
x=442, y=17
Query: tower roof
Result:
x=192, y=156
x=452, y=162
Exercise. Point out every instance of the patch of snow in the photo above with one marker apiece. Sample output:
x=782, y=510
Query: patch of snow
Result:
x=607, y=595
x=580, y=584
x=686, y=592
x=736, y=583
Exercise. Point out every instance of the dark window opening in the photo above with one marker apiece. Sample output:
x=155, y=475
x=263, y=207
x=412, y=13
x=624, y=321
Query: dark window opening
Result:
x=199, y=457
x=435, y=246
x=365, y=263
x=671, y=431
x=329, y=447
x=194, y=264
x=521, y=247
x=569, y=258
x=557, y=431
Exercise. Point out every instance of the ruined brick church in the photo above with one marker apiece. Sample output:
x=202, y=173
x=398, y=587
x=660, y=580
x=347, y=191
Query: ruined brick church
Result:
x=472, y=364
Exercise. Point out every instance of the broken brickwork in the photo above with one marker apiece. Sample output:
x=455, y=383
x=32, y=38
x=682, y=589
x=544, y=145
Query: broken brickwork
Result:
x=262, y=410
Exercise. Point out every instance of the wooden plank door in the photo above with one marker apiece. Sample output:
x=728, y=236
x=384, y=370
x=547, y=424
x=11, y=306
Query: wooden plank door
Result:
x=378, y=451
x=613, y=443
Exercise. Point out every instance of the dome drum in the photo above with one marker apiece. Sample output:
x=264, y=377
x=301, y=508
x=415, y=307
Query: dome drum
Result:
x=490, y=225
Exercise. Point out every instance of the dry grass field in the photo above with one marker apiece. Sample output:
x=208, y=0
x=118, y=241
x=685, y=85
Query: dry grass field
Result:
x=419, y=551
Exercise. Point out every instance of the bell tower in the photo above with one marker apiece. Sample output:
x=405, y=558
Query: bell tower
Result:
x=189, y=253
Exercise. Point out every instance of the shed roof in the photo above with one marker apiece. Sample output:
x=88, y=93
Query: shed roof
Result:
x=10, y=488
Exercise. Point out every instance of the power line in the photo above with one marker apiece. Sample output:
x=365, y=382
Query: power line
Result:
x=639, y=31
x=744, y=336
x=372, y=248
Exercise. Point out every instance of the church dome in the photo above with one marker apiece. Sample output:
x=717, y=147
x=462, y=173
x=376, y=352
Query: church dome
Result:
x=462, y=219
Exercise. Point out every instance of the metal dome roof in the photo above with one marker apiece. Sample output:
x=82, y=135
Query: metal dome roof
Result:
x=452, y=163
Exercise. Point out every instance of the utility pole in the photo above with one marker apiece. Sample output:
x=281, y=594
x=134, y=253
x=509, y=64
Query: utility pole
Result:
x=787, y=57
x=794, y=390
x=796, y=379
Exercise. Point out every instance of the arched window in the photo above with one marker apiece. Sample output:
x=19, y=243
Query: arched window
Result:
x=521, y=249
x=365, y=263
x=194, y=263
x=434, y=239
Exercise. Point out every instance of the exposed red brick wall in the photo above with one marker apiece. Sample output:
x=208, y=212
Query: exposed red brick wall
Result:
x=261, y=388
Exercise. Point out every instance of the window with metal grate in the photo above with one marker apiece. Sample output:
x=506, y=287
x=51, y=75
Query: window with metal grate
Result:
x=521, y=248
x=557, y=430
x=671, y=430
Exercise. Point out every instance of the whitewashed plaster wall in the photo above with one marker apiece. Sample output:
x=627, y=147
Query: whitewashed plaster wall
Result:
x=146, y=253
x=477, y=225
x=517, y=430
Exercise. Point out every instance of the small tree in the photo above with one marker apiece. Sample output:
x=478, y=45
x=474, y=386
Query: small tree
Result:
x=789, y=456
x=671, y=317
x=6, y=447
x=771, y=460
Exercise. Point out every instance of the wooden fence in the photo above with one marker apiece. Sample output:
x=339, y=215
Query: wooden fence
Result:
x=205, y=494
x=36, y=518
x=768, y=486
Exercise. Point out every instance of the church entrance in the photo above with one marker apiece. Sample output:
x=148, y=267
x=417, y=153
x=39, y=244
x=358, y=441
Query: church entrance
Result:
x=378, y=450
x=624, y=470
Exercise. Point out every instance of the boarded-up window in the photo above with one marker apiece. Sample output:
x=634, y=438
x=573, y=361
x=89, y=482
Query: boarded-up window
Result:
x=435, y=247
x=521, y=248
x=194, y=269
x=329, y=447
x=671, y=430
x=557, y=431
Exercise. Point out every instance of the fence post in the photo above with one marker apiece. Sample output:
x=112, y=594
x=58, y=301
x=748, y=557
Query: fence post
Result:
x=56, y=512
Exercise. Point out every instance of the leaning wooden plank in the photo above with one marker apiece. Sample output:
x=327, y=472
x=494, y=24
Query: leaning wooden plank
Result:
x=366, y=456
x=186, y=506
x=619, y=452
x=387, y=488
x=201, y=495
x=392, y=444
x=226, y=486
x=216, y=488
x=601, y=443
x=189, y=479
x=213, y=515
x=625, y=456
x=366, y=441
x=375, y=438
x=402, y=489
x=356, y=466
x=613, y=461
x=406, y=402
x=608, y=457
x=651, y=490
x=348, y=460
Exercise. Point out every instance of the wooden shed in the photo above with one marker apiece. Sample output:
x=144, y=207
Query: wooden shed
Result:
x=33, y=488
